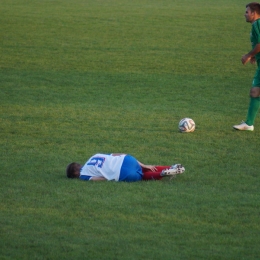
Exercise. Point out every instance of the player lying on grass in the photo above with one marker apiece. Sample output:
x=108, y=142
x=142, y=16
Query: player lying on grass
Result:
x=119, y=167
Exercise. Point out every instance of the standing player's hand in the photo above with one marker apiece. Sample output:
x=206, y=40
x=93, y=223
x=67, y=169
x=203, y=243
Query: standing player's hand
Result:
x=253, y=60
x=245, y=59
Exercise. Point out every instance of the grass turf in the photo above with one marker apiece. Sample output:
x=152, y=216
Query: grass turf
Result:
x=80, y=77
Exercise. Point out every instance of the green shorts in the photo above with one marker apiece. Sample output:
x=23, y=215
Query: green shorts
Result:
x=256, y=80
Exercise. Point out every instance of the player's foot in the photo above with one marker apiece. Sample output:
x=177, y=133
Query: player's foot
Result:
x=173, y=170
x=244, y=126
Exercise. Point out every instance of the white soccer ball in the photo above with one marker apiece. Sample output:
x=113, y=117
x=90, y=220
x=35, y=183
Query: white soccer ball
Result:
x=186, y=125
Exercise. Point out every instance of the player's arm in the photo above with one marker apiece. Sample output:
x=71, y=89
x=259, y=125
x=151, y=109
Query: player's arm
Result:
x=98, y=179
x=247, y=57
x=150, y=167
x=253, y=60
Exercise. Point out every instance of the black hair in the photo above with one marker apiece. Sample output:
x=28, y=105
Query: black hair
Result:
x=71, y=169
x=254, y=6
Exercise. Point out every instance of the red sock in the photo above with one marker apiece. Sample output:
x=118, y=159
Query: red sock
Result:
x=149, y=175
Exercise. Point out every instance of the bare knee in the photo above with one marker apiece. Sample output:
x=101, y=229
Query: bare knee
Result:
x=255, y=92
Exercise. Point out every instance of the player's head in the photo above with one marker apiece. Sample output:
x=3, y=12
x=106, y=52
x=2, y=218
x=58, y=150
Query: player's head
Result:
x=73, y=170
x=252, y=12
x=254, y=7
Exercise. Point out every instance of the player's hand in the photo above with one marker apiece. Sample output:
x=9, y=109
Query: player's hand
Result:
x=150, y=167
x=245, y=59
x=253, y=60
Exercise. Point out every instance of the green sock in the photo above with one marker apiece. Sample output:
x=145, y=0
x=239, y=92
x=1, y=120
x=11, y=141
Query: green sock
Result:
x=252, y=110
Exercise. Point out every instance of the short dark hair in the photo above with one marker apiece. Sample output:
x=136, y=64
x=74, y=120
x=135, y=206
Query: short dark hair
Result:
x=71, y=169
x=254, y=6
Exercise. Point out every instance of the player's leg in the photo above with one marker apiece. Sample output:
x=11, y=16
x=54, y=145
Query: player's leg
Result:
x=150, y=175
x=254, y=105
x=162, y=171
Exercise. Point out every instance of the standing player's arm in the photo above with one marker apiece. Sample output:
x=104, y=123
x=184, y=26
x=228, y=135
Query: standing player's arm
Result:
x=253, y=60
x=247, y=57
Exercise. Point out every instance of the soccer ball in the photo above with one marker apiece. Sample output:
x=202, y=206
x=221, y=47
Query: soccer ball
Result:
x=186, y=125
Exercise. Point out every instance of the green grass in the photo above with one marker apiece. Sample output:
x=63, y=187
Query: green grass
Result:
x=80, y=77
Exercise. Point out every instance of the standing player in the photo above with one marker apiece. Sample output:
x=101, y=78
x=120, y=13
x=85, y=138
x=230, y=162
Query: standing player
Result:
x=252, y=16
x=119, y=167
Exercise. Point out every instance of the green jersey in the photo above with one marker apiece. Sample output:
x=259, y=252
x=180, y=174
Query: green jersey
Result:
x=255, y=38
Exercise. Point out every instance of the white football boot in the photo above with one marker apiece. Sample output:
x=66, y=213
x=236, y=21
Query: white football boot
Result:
x=244, y=126
x=173, y=171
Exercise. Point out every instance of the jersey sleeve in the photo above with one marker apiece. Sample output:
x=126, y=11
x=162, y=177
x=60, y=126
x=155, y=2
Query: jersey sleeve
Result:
x=85, y=177
x=256, y=32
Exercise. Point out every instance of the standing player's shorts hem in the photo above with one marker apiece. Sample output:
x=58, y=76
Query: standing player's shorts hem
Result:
x=256, y=80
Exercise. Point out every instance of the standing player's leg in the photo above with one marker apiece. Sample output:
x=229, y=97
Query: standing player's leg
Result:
x=254, y=105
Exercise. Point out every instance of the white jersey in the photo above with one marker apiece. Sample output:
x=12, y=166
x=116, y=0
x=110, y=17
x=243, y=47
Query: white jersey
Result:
x=103, y=165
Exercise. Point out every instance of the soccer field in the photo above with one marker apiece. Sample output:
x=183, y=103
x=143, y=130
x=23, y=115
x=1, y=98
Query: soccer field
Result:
x=86, y=76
